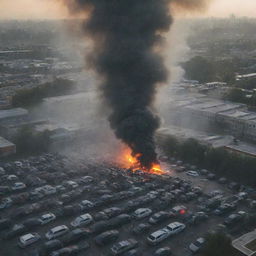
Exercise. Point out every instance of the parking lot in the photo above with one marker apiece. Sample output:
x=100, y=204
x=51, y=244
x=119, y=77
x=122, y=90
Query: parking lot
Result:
x=57, y=184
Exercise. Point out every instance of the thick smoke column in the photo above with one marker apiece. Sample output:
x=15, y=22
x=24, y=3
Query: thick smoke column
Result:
x=127, y=38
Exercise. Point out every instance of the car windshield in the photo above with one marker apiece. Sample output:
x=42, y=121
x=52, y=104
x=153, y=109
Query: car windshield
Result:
x=197, y=244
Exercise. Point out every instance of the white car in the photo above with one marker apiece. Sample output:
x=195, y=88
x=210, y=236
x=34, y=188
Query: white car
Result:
x=18, y=186
x=124, y=246
x=49, y=190
x=87, y=179
x=158, y=236
x=82, y=220
x=12, y=177
x=28, y=239
x=86, y=204
x=175, y=227
x=46, y=218
x=142, y=213
x=197, y=245
x=71, y=183
x=56, y=232
x=192, y=173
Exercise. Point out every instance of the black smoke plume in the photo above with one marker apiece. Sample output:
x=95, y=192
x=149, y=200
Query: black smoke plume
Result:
x=127, y=36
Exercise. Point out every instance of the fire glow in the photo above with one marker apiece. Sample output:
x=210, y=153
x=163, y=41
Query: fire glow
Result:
x=132, y=162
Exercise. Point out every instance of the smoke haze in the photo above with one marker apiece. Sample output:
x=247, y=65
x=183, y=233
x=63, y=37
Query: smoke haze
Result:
x=127, y=42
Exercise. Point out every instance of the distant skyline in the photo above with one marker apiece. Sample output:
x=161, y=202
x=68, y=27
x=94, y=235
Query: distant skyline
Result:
x=50, y=9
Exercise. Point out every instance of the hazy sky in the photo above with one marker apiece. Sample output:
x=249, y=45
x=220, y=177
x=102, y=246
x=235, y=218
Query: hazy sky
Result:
x=40, y=9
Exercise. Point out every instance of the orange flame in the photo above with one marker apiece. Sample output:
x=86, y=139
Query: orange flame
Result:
x=131, y=162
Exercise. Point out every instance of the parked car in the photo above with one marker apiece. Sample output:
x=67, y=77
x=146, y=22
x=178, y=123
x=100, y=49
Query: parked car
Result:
x=234, y=186
x=175, y=227
x=224, y=208
x=82, y=220
x=142, y=213
x=28, y=239
x=4, y=190
x=165, y=251
x=192, y=173
x=211, y=176
x=112, y=211
x=87, y=179
x=49, y=190
x=16, y=230
x=179, y=210
x=5, y=203
x=222, y=180
x=141, y=228
x=12, y=177
x=86, y=204
x=158, y=236
x=71, y=184
x=75, y=235
x=18, y=186
x=124, y=246
x=46, y=218
x=119, y=220
x=159, y=217
x=50, y=246
x=107, y=237
x=5, y=223
x=197, y=245
x=56, y=232
x=31, y=222
x=233, y=219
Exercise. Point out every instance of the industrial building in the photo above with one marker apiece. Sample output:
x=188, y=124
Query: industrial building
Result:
x=6, y=147
x=246, y=244
x=233, y=118
x=14, y=113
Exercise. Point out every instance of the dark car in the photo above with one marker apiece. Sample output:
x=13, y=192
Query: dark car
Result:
x=16, y=230
x=71, y=250
x=211, y=176
x=133, y=252
x=222, y=180
x=32, y=222
x=165, y=251
x=159, y=217
x=141, y=228
x=50, y=246
x=5, y=223
x=120, y=220
x=100, y=227
x=232, y=219
x=234, y=186
x=75, y=235
x=107, y=237
x=225, y=208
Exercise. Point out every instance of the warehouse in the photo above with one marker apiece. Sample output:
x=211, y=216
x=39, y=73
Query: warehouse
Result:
x=6, y=147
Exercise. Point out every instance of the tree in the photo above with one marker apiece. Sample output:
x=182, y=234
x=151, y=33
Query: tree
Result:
x=28, y=141
x=198, y=68
x=218, y=244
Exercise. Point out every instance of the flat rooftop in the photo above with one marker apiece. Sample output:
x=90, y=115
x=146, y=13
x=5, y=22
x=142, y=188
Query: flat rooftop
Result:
x=5, y=143
x=243, y=243
x=14, y=112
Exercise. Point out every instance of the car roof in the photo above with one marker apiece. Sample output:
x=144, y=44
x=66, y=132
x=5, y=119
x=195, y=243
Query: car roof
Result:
x=175, y=224
x=56, y=229
x=158, y=232
x=27, y=237
x=200, y=240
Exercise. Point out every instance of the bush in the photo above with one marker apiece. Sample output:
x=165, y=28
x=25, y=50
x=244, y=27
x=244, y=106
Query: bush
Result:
x=205, y=70
x=30, y=97
x=218, y=244
x=29, y=142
